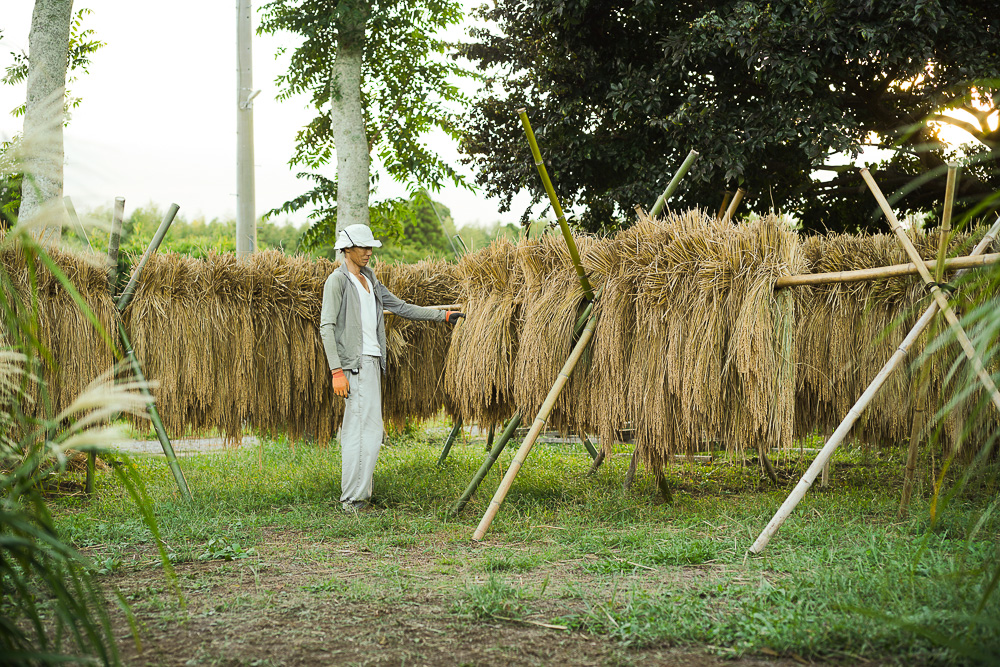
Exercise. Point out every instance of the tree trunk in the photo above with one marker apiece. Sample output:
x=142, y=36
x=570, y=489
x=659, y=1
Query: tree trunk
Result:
x=42, y=141
x=347, y=115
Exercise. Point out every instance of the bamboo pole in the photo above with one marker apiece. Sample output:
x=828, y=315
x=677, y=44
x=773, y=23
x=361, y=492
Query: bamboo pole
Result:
x=574, y=254
x=674, y=182
x=737, y=198
x=508, y=431
x=589, y=445
x=114, y=239
x=154, y=416
x=855, y=412
x=724, y=205
x=633, y=464
x=133, y=281
x=920, y=395
x=891, y=271
x=939, y=297
x=491, y=458
x=75, y=219
x=536, y=428
x=661, y=484
x=598, y=461
x=768, y=467
x=450, y=441
x=122, y=303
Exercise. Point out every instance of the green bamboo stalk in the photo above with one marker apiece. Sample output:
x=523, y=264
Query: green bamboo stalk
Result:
x=949, y=201
x=590, y=446
x=154, y=416
x=588, y=291
x=450, y=441
x=122, y=303
x=674, y=182
x=489, y=438
x=487, y=465
x=133, y=282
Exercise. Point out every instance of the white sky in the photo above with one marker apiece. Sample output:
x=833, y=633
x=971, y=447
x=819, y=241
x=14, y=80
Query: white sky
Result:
x=158, y=118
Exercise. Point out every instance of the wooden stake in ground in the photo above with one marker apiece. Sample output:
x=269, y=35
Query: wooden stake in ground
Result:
x=855, y=413
x=536, y=428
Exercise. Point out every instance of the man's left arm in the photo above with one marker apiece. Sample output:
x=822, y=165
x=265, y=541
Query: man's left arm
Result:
x=397, y=306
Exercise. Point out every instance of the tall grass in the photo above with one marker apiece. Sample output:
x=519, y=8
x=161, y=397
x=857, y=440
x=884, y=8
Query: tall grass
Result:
x=51, y=609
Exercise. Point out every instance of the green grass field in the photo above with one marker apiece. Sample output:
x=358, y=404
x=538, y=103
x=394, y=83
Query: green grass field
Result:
x=844, y=580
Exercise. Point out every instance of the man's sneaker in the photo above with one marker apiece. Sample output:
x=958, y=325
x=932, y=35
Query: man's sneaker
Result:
x=356, y=507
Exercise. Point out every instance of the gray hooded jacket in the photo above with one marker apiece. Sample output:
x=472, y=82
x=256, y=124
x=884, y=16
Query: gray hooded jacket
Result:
x=340, y=320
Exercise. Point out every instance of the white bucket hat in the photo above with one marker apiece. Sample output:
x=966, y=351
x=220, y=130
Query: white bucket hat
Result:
x=356, y=235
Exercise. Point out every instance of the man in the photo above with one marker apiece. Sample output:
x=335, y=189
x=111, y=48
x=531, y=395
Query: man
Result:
x=352, y=327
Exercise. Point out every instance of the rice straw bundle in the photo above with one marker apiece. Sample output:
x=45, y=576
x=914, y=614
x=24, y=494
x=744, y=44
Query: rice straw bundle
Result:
x=552, y=299
x=848, y=331
x=479, y=377
x=80, y=353
x=234, y=343
x=713, y=356
x=416, y=351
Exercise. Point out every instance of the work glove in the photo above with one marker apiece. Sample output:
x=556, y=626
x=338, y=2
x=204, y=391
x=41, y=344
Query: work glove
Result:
x=340, y=384
x=451, y=316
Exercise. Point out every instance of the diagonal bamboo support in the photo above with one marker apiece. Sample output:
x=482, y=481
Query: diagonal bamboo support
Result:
x=674, y=182
x=939, y=297
x=450, y=441
x=855, y=412
x=574, y=254
x=536, y=428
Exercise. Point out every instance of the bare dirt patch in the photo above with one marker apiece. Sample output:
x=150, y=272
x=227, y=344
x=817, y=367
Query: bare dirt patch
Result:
x=299, y=600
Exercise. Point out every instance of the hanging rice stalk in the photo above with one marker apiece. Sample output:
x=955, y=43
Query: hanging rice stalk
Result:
x=479, y=377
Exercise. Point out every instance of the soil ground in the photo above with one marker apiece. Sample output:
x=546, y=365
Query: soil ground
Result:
x=298, y=601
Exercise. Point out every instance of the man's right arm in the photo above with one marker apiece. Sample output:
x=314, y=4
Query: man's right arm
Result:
x=333, y=293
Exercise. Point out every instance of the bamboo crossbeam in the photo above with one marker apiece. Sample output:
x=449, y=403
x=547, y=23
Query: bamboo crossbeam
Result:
x=816, y=467
x=536, y=428
x=892, y=271
x=574, y=254
x=674, y=182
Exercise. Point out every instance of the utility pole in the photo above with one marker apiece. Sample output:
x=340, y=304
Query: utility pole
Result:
x=246, y=215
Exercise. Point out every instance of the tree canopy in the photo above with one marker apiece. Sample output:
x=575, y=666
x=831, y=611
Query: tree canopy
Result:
x=407, y=89
x=768, y=92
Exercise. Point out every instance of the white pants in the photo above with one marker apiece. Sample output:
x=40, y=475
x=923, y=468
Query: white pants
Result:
x=361, y=434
